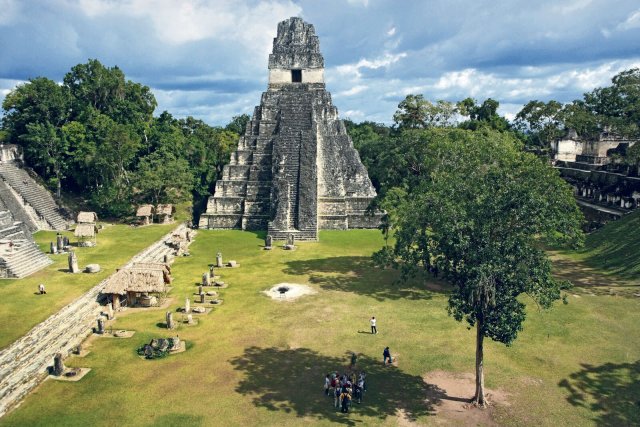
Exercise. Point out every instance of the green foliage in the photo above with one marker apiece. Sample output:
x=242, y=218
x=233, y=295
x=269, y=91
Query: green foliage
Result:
x=613, y=108
x=95, y=135
x=415, y=112
x=238, y=124
x=475, y=214
x=483, y=115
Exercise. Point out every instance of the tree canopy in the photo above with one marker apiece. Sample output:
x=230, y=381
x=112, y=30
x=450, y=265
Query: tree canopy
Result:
x=95, y=136
x=476, y=216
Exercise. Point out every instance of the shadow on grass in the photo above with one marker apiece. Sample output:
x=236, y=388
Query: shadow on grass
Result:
x=611, y=391
x=292, y=380
x=576, y=273
x=359, y=274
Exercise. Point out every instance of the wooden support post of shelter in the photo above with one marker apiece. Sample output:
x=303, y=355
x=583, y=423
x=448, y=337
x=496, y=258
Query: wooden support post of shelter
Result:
x=165, y=213
x=145, y=214
x=86, y=234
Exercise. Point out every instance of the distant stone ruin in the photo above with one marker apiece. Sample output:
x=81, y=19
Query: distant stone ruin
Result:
x=603, y=189
x=295, y=170
x=28, y=201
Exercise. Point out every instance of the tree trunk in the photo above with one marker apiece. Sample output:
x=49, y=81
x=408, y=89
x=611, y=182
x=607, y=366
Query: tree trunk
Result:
x=479, y=399
x=59, y=184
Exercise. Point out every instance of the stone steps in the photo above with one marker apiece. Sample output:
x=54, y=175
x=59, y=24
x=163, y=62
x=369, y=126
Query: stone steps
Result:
x=35, y=195
x=24, y=364
x=16, y=208
x=24, y=259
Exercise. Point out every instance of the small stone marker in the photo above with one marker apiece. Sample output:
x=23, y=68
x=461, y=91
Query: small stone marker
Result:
x=65, y=241
x=52, y=248
x=219, y=260
x=190, y=319
x=100, y=329
x=232, y=264
x=109, y=312
x=290, y=243
x=58, y=365
x=206, y=279
x=73, y=262
x=199, y=310
x=176, y=343
x=187, y=306
x=169, y=320
x=199, y=289
x=202, y=297
x=268, y=242
x=60, y=242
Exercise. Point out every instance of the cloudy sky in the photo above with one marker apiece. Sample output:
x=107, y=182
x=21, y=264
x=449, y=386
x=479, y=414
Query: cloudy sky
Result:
x=208, y=58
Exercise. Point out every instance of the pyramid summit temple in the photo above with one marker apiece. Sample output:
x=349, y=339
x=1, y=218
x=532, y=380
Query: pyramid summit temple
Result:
x=295, y=170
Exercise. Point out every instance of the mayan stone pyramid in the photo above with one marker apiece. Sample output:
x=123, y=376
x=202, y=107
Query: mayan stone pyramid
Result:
x=295, y=170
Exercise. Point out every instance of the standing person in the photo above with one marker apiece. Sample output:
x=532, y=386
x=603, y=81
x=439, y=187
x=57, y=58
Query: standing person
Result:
x=374, y=330
x=354, y=359
x=336, y=396
x=41, y=289
x=386, y=354
x=327, y=383
x=345, y=399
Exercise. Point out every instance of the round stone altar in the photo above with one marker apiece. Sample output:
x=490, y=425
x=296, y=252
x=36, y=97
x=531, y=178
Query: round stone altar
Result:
x=289, y=291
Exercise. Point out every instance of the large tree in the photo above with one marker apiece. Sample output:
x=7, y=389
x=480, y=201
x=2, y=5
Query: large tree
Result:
x=478, y=213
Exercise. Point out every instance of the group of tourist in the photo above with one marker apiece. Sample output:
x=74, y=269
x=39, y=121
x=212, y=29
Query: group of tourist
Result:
x=345, y=388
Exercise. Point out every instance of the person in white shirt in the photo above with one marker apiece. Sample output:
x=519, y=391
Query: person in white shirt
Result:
x=374, y=330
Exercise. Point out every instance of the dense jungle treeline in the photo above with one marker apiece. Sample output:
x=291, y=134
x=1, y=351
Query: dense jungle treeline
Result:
x=95, y=136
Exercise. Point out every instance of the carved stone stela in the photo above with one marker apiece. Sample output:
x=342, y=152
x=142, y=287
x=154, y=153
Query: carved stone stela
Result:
x=295, y=170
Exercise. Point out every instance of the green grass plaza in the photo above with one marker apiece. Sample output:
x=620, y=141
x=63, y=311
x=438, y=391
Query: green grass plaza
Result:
x=255, y=360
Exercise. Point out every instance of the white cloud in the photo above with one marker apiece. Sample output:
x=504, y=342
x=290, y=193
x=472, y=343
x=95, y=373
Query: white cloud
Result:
x=179, y=22
x=385, y=60
x=353, y=91
x=364, y=3
x=391, y=32
x=570, y=7
x=633, y=21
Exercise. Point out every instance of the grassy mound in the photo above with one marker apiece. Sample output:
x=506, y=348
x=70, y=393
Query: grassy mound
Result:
x=615, y=248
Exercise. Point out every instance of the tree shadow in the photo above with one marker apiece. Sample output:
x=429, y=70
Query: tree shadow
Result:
x=611, y=391
x=292, y=380
x=360, y=275
x=591, y=281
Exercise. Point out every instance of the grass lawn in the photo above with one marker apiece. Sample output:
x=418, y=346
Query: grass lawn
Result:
x=255, y=361
x=614, y=249
x=21, y=308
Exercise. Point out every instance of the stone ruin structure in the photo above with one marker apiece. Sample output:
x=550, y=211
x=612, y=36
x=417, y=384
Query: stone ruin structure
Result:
x=588, y=165
x=295, y=170
x=28, y=201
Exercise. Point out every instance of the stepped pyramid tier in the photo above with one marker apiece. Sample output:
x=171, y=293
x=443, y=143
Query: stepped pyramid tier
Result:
x=295, y=170
x=20, y=258
x=28, y=201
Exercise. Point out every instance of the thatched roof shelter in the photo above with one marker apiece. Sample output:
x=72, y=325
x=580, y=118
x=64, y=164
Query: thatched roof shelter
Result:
x=136, y=280
x=86, y=230
x=166, y=270
x=145, y=210
x=87, y=217
x=165, y=209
